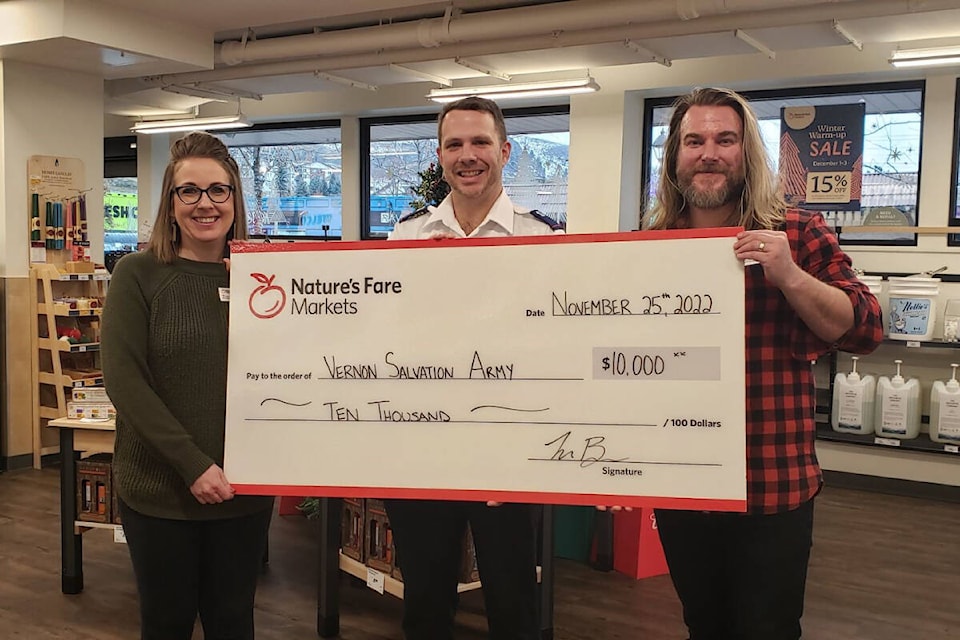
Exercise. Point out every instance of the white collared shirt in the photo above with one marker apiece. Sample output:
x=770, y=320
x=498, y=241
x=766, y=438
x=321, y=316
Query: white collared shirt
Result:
x=503, y=219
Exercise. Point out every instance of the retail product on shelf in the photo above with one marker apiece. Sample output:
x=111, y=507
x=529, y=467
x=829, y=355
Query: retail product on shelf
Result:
x=951, y=321
x=853, y=402
x=945, y=410
x=874, y=283
x=352, y=529
x=95, y=488
x=897, y=411
x=378, y=537
x=913, y=304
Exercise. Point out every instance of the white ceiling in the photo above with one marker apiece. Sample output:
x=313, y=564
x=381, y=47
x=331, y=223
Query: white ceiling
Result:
x=361, y=41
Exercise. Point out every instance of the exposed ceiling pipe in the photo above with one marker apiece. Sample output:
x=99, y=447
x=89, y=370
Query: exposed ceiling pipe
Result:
x=494, y=25
x=611, y=34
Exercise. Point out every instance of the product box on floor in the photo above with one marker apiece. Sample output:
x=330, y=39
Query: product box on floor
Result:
x=378, y=537
x=351, y=528
x=95, y=488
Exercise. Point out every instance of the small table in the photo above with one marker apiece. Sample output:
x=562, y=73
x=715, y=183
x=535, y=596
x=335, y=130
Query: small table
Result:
x=76, y=436
x=83, y=435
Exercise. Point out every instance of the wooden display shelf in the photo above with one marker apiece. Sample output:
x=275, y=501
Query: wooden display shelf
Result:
x=71, y=379
x=59, y=365
x=390, y=584
x=62, y=309
x=97, y=275
x=79, y=526
x=66, y=347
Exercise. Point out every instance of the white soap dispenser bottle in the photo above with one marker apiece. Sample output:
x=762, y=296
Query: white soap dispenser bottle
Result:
x=945, y=410
x=897, y=406
x=853, y=399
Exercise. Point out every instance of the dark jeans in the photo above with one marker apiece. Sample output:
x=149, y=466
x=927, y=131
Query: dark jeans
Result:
x=186, y=567
x=428, y=536
x=739, y=577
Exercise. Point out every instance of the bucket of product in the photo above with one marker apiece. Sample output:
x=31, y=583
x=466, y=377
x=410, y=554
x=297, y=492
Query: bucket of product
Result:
x=913, y=303
x=874, y=283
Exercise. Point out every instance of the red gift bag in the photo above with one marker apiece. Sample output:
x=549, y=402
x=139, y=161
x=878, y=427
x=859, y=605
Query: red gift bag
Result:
x=636, y=544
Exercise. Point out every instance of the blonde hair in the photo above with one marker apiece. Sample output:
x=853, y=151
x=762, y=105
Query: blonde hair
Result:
x=164, y=241
x=761, y=203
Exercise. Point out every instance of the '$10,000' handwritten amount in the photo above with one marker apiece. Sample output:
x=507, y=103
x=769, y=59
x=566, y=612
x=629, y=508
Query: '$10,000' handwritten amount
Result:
x=661, y=363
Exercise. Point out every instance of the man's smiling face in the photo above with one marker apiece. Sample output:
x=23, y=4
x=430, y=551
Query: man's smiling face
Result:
x=472, y=154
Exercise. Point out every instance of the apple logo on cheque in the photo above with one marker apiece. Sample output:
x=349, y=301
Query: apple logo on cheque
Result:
x=267, y=300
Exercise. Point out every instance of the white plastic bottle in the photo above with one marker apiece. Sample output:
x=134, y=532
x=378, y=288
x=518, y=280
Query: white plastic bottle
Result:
x=853, y=400
x=945, y=410
x=897, y=406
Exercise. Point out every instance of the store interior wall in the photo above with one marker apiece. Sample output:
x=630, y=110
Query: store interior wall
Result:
x=53, y=112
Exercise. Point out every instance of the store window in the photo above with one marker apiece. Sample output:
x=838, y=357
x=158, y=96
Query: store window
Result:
x=953, y=239
x=291, y=178
x=399, y=149
x=120, y=213
x=891, y=149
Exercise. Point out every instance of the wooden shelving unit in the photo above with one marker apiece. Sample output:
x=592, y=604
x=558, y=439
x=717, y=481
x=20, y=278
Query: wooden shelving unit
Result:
x=391, y=585
x=59, y=366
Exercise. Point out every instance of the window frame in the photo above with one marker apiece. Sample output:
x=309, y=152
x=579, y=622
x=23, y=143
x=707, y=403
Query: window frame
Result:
x=651, y=104
x=289, y=125
x=366, y=124
x=953, y=220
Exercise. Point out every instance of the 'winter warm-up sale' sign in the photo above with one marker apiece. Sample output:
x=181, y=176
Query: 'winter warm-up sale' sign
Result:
x=600, y=369
x=821, y=158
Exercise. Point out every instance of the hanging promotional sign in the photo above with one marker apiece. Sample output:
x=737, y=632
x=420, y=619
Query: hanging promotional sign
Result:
x=821, y=159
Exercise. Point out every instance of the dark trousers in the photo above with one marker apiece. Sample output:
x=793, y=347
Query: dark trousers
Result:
x=186, y=567
x=739, y=577
x=428, y=536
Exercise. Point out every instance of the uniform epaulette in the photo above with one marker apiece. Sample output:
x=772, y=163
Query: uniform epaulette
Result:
x=547, y=220
x=413, y=214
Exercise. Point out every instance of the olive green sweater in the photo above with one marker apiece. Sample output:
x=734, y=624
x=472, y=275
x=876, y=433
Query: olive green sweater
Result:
x=164, y=352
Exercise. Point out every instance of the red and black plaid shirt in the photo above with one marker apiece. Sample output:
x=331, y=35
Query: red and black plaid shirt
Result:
x=782, y=468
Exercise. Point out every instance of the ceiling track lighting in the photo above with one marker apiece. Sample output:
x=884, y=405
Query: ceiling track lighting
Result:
x=213, y=123
x=583, y=84
x=937, y=56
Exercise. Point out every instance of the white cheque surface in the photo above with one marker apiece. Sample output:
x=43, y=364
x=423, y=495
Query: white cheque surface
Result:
x=578, y=370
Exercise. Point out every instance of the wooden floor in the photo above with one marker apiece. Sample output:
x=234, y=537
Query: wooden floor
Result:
x=883, y=568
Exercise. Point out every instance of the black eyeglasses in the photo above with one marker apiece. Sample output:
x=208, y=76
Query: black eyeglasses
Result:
x=191, y=194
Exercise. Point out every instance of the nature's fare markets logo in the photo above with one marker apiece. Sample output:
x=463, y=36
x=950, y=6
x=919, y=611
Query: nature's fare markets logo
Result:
x=316, y=297
x=268, y=299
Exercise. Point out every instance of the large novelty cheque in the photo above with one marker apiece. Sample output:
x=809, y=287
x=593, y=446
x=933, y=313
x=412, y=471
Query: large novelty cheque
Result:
x=594, y=369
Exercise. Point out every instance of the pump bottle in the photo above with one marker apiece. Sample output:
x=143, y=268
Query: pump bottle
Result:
x=897, y=412
x=945, y=410
x=853, y=400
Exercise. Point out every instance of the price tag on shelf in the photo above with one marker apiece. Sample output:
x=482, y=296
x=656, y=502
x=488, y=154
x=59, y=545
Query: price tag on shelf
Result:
x=888, y=442
x=828, y=187
x=913, y=344
x=951, y=448
x=119, y=535
x=375, y=580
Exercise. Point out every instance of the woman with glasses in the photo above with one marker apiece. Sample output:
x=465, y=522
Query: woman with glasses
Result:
x=196, y=547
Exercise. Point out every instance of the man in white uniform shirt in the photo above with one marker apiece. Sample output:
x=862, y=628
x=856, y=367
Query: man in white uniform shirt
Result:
x=473, y=151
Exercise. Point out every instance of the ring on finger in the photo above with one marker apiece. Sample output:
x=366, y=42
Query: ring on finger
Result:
x=762, y=245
